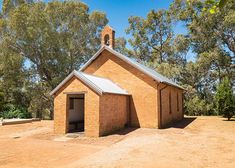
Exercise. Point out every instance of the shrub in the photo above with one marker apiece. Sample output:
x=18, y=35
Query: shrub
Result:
x=194, y=106
x=225, y=99
x=1, y=101
x=11, y=111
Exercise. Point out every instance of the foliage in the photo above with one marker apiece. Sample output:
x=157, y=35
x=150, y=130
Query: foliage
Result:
x=152, y=36
x=172, y=71
x=196, y=106
x=14, y=79
x=154, y=43
x=56, y=38
x=41, y=43
x=39, y=100
x=120, y=46
x=11, y=111
x=8, y=5
x=209, y=36
x=1, y=101
x=225, y=99
x=216, y=5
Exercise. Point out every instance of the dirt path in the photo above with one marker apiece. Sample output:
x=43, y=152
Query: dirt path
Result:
x=203, y=142
x=206, y=142
x=31, y=145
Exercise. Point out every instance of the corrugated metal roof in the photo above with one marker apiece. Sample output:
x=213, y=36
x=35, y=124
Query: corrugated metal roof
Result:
x=150, y=72
x=106, y=85
x=99, y=84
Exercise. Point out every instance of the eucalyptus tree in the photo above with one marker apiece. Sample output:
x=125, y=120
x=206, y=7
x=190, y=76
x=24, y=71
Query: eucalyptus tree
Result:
x=56, y=38
x=211, y=37
x=151, y=37
x=46, y=41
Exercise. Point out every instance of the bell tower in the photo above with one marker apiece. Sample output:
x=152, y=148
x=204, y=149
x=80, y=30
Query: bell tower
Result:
x=108, y=37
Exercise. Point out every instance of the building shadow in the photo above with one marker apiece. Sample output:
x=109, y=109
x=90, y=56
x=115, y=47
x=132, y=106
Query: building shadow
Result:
x=182, y=123
x=125, y=130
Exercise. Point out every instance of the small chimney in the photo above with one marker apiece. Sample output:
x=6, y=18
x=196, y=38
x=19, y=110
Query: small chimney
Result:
x=108, y=37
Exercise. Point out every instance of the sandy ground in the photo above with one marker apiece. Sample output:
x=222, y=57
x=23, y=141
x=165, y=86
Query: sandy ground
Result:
x=195, y=143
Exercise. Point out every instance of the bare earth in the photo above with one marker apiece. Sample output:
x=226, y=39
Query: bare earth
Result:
x=194, y=143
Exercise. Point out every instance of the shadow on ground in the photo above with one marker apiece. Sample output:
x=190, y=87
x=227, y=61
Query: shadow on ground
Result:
x=179, y=124
x=125, y=131
x=182, y=123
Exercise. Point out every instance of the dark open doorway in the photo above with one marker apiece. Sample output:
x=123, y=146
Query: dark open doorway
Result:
x=76, y=113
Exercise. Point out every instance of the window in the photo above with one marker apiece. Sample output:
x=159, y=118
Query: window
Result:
x=170, y=103
x=71, y=103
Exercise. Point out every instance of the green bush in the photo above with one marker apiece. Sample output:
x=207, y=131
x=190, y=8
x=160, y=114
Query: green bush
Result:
x=225, y=99
x=11, y=111
x=1, y=101
x=194, y=106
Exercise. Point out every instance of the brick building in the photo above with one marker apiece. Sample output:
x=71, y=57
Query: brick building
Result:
x=112, y=91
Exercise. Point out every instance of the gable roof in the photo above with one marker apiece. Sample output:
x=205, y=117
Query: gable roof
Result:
x=150, y=72
x=98, y=84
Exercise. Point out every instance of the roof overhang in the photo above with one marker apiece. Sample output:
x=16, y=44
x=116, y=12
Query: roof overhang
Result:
x=91, y=84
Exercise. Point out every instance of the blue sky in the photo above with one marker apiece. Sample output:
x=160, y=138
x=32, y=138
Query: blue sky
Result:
x=118, y=11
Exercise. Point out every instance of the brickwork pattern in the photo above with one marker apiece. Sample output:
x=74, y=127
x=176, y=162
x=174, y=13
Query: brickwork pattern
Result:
x=113, y=113
x=111, y=33
x=143, y=89
x=91, y=108
x=145, y=96
x=172, y=110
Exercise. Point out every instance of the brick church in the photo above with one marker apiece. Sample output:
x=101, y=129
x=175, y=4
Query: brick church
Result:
x=112, y=91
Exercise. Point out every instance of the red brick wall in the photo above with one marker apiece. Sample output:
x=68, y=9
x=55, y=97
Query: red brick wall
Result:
x=91, y=108
x=111, y=33
x=143, y=89
x=176, y=112
x=113, y=112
